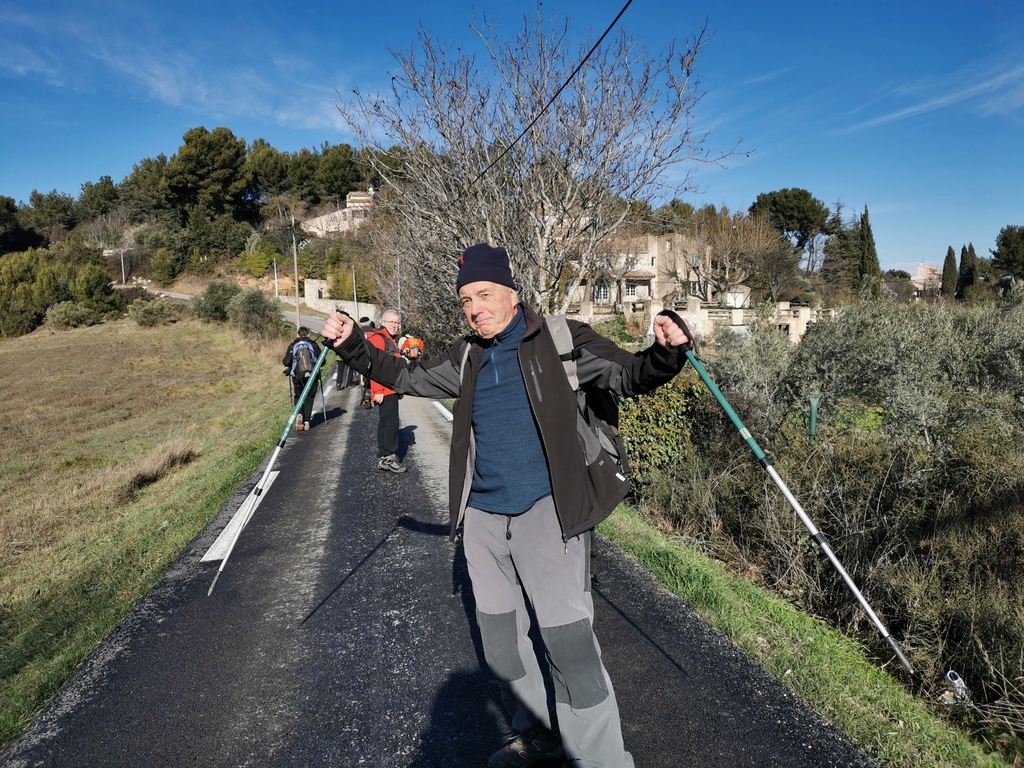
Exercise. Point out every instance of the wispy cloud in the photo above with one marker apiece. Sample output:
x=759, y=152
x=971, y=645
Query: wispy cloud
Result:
x=993, y=91
x=138, y=59
x=767, y=77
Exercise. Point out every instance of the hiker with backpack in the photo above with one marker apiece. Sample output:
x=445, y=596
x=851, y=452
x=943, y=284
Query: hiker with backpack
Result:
x=299, y=361
x=526, y=484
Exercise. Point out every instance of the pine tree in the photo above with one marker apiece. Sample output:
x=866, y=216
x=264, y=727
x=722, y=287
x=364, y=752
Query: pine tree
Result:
x=949, y=273
x=162, y=269
x=836, y=270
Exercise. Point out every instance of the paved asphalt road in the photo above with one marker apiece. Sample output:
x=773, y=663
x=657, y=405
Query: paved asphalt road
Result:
x=342, y=634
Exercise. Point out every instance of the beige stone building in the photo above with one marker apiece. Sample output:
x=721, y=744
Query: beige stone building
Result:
x=638, y=277
x=358, y=208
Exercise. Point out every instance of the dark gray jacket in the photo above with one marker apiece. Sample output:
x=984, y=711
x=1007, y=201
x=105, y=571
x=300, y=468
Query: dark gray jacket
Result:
x=583, y=495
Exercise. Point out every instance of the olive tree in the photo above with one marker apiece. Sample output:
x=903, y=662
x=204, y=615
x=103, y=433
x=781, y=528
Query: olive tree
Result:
x=454, y=170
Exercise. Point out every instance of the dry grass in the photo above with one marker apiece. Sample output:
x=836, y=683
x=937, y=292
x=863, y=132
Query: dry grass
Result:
x=90, y=414
x=120, y=444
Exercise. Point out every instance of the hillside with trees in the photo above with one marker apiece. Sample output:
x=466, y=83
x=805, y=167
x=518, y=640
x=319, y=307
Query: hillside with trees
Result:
x=218, y=206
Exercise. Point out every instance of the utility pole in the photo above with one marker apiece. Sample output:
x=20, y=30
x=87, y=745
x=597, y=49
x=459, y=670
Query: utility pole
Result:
x=355, y=297
x=295, y=260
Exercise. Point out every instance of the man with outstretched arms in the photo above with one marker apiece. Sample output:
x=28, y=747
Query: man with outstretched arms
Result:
x=523, y=492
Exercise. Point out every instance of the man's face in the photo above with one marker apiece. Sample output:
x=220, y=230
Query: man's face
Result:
x=489, y=307
x=391, y=323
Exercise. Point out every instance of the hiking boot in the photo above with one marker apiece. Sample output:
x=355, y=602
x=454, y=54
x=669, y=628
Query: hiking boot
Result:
x=298, y=423
x=391, y=464
x=533, y=744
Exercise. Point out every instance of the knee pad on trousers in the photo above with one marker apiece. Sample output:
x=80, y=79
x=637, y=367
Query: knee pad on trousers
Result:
x=500, y=637
x=575, y=664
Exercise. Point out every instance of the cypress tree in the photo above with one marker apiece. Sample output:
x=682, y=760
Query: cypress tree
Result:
x=869, y=273
x=949, y=273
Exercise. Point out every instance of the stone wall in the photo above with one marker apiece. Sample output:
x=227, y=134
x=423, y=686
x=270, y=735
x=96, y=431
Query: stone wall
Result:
x=316, y=296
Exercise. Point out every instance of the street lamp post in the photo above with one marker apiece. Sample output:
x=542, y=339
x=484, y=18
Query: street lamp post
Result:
x=355, y=296
x=295, y=260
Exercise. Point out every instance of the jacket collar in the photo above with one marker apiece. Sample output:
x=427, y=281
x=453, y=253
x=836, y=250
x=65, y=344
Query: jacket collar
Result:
x=533, y=320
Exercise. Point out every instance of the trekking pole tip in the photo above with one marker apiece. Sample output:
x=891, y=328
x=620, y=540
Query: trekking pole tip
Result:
x=899, y=655
x=214, y=584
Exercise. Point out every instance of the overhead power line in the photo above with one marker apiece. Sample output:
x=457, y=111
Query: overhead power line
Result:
x=555, y=96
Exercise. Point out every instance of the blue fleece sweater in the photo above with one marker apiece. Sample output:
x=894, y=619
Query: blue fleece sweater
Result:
x=511, y=471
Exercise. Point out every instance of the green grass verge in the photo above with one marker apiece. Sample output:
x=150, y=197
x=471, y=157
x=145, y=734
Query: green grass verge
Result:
x=824, y=668
x=91, y=523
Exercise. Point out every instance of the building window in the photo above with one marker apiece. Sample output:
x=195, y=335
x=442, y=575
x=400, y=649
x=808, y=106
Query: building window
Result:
x=319, y=293
x=630, y=290
x=652, y=261
x=601, y=294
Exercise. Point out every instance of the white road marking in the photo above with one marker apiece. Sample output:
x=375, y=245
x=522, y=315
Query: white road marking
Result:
x=220, y=547
x=444, y=411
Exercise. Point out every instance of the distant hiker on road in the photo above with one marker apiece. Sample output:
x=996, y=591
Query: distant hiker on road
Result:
x=367, y=326
x=523, y=488
x=386, y=399
x=299, y=361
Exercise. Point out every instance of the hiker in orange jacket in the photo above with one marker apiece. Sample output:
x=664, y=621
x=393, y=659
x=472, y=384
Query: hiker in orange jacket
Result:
x=386, y=399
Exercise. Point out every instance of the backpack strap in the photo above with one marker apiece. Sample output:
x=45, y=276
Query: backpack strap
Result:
x=462, y=365
x=389, y=343
x=567, y=353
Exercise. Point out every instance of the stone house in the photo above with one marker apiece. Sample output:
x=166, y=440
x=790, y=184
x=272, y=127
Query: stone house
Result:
x=358, y=208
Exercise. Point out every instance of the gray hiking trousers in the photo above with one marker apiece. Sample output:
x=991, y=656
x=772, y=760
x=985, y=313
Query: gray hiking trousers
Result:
x=509, y=555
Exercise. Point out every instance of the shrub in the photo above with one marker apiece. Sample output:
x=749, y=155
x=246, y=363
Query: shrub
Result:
x=69, y=314
x=256, y=315
x=916, y=479
x=162, y=268
x=212, y=304
x=656, y=427
x=150, y=313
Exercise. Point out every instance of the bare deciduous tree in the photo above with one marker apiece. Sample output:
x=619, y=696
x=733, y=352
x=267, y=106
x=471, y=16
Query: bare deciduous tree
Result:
x=453, y=173
x=737, y=243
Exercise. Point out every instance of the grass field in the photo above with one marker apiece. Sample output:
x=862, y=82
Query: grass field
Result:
x=120, y=444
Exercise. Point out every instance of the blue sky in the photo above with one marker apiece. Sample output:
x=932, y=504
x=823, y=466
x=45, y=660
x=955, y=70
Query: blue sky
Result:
x=913, y=109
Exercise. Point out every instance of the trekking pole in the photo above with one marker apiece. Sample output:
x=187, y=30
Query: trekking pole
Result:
x=246, y=510
x=766, y=462
x=323, y=400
